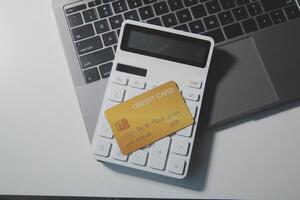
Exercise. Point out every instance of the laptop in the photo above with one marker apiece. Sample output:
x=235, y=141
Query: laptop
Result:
x=256, y=64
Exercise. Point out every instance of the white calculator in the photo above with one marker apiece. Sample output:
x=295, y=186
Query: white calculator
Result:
x=147, y=56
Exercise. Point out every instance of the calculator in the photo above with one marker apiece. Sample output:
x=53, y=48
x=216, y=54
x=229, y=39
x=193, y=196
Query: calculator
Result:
x=147, y=56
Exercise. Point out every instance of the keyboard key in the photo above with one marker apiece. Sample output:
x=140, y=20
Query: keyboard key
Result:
x=155, y=21
x=104, y=130
x=139, y=157
x=149, y=1
x=225, y=17
x=240, y=13
x=116, y=94
x=216, y=34
x=242, y=2
x=227, y=4
x=195, y=84
x=138, y=84
x=83, y=32
x=119, y=6
x=133, y=15
x=249, y=25
x=134, y=3
x=75, y=20
x=182, y=27
x=190, y=95
x=184, y=15
x=107, y=1
x=116, y=21
x=97, y=58
x=102, y=148
x=254, y=9
x=104, y=11
x=264, y=21
x=272, y=5
x=76, y=9
x=196, y=26
x=213, y=6
x=91, y=75
x=117, y=154
x=190, y=2
x=169, y=20
x=90, y=15
x=105, y=70
x=120, y=80
x=233, y=30
x=146, y=12
x=211, y=22
x=180, y=146
x=176, y=165
x=278, y=16
x=89, y=45
x=161, y=8
x=292, y=12
x=94, y=3
x=102, y=26
x=186, y=132
x=175, y=4
x=198, y=11
x=159, y=153
x=110, y=38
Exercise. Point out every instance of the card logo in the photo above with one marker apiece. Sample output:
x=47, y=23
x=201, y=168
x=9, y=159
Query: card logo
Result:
x=122, y=124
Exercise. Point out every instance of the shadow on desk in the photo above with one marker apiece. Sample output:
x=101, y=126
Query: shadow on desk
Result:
x=199, y=164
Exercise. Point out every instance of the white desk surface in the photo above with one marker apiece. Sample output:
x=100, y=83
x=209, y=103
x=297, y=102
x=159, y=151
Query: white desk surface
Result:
x=44, y=148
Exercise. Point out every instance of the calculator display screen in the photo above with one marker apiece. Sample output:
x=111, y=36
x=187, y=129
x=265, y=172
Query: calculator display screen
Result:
x=169, y=46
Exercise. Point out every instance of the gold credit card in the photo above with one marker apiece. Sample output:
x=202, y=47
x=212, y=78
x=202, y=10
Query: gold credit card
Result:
x=148, y=117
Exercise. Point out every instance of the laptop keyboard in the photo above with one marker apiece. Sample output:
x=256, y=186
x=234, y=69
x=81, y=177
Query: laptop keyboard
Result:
x=95, y=25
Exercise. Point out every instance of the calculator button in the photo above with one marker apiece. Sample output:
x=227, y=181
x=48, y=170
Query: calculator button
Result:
x=176, y=165
x=193, y=108
x=191, y=95
x=132, y=92
x=150, y=87
x=180, y=146
x=105, y=130
x=120, y=80
x=139, y=157
x=109, y=104
x=117, y=154
x=194, y=84
x=102, y=148
x=117, y=94
x=159, y=153
x=186, y=132
x=138, y=84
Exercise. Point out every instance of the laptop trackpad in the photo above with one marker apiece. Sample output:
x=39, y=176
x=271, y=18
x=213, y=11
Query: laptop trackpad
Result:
x=237, y=84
